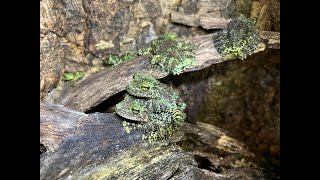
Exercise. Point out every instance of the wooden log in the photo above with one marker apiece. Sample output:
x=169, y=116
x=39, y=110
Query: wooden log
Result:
x=270, y=38
x=58, y=123
x=213, y=23
x=189, y=20
x=95, y=146
x=93, y=90
x=195, y=20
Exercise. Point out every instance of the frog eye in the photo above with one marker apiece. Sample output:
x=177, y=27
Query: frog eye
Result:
x=135, y=109
x=145, y=87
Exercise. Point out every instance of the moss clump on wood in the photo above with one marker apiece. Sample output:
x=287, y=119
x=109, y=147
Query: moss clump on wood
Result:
x=114, y=60
x=72, y=76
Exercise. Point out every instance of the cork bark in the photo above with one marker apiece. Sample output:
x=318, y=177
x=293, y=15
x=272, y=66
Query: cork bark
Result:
x=88, y=93
x=95, y=146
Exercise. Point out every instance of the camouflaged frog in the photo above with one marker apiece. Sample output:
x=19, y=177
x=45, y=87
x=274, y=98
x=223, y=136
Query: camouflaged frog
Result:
x=162, y=97
x=133, y=108
x=156, y=124
x=170, y=54
x=156, y=108
x=239, y=39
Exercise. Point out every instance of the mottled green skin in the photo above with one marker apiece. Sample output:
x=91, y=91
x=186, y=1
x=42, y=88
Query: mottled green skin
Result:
x=239, y=39
x=157, y=109
x=143, y=109
x=170, y=54
x=155, y=125
x=133, y=108
x=162, y=97
x=163, y=125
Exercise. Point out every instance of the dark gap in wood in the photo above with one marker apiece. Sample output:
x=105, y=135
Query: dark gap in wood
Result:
x=204, y=163
x=211, y=31
x=107, y=106
x=192, y=87
x=43, y=149
x=271, y=168
x=192, y=77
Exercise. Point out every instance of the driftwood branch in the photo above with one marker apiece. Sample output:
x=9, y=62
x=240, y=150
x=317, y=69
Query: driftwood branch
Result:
x=58, y=123
x=271, y=39
x=98, y=87
x=95, y=146
x=196, y=20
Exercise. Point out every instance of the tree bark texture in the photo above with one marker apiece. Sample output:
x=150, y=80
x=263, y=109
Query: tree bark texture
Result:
x=95, y=146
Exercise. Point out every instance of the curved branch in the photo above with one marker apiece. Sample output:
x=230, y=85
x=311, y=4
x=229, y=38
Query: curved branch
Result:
x=91, y=91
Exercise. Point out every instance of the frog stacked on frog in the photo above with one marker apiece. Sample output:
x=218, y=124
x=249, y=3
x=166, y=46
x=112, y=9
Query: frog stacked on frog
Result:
x=155, y=107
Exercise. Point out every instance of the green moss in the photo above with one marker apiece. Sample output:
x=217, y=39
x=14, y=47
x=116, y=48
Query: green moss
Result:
x=72, y=76
x=239, y=39
x=144, y=137
x=127, y=129
x=114, y=60
x=144, y=51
